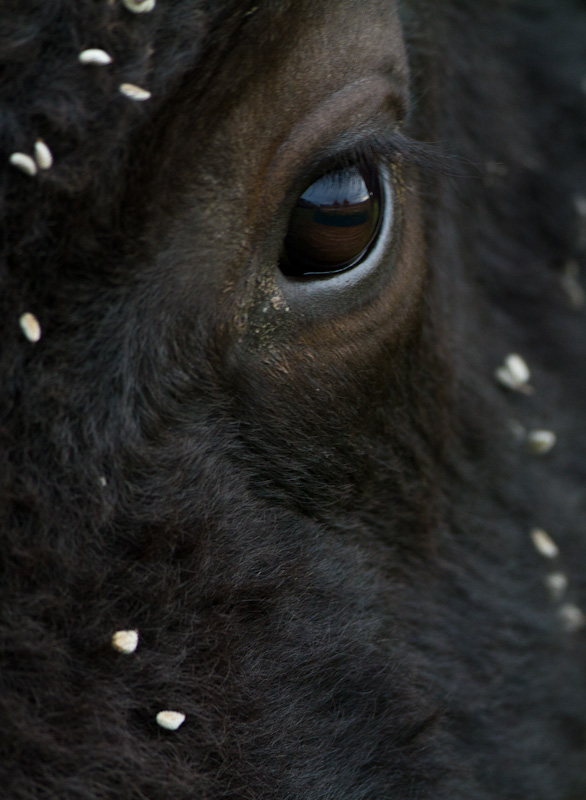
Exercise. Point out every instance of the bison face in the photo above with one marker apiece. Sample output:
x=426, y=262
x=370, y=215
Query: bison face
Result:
x=292, y=414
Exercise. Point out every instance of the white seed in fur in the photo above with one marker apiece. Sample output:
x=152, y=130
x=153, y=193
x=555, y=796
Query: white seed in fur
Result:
x=125, y=641
x=139, y=6
x=171, y=720
x=573, y=618
x=102, y=481
x=24, y=163
x=557, y=584
x=30, y=326
x=544, y=544
x=134, y=92
x=514, y=374
x=541, y=442
x=95, y=56
x=43, y=156
x=518, y=368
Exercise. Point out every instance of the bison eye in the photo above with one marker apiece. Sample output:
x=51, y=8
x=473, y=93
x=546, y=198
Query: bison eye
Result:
x=334, y=224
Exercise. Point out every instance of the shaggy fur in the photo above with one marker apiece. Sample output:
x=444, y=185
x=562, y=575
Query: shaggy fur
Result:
x=318, y=520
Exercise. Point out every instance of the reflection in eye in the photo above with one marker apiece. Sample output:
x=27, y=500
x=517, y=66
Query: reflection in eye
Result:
x=334, y=223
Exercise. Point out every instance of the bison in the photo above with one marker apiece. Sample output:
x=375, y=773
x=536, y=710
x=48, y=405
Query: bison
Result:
x=292, y=426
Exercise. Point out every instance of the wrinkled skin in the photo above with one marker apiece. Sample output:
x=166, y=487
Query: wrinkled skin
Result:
x=316, y=510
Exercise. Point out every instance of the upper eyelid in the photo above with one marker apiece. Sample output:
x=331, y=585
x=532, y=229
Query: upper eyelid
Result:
x=340, y=154
x=384, y=149
x=393, y=148
x=334, y=126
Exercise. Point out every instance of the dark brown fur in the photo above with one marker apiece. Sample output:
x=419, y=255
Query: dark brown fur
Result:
x=316, y=513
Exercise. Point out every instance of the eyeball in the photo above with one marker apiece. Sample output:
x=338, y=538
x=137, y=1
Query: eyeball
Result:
x=334, y=224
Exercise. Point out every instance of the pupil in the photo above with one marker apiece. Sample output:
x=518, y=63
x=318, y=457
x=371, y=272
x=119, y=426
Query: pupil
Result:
x=333, y=224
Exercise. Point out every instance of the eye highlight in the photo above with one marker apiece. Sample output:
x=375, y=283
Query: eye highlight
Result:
x=335, y=223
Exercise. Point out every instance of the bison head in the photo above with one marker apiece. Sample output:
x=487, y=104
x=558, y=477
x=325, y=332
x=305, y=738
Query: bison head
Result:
x=292, y=405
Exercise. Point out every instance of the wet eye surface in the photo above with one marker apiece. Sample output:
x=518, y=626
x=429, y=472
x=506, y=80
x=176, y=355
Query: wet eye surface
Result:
x=334, y=224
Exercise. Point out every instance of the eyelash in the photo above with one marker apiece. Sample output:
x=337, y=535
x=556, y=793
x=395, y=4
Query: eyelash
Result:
x=387, y=151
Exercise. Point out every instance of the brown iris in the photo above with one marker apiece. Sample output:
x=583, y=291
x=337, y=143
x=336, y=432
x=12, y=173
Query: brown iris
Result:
x=334, y=223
